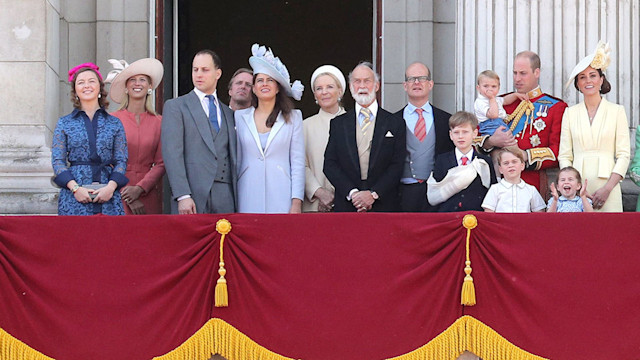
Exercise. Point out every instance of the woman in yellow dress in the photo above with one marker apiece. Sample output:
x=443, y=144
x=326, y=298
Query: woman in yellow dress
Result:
x=595, y=133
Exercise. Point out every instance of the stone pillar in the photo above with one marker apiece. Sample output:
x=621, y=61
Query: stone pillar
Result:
x=29, y=96
x=122, y=32
x=39, y=41
x=419, y=30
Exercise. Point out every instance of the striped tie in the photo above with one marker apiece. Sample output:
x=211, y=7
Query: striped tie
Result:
x=421, y=127
x=367, y=120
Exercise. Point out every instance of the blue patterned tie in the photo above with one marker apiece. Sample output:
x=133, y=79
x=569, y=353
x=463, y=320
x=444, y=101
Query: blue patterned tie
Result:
x=213, y=113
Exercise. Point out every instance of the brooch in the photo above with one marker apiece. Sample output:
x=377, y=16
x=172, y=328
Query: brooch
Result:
x=539, y=125
x=535, y=140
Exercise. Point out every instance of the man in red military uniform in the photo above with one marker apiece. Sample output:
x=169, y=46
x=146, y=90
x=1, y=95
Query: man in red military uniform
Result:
x=534, y=125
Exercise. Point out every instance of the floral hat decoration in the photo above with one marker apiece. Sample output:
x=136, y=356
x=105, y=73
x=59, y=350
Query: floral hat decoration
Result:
x=600, y=59
x=264, y=62
x=122, y=71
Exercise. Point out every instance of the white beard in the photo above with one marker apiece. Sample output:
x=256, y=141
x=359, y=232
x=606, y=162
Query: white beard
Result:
x=363, y=100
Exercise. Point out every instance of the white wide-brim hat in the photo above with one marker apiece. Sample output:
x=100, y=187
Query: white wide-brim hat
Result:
x=262, y=61
x=123, y=71
x=598, y=60
x=333, y=71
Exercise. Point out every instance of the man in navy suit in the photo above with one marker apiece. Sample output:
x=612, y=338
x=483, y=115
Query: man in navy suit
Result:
x=427, y=136
x=366, y=149
x=199, y=144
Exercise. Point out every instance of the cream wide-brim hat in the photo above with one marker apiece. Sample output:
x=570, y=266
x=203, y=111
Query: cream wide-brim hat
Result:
x=148, y=66
x=330, y=69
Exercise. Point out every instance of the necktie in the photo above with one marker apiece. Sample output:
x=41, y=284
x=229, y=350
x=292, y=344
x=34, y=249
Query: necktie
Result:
x=367, y=120
x=420, y=130
x=213, y=113
x=465, y=160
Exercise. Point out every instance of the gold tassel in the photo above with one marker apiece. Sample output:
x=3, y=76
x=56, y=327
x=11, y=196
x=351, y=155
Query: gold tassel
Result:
x=468, y=296
x=223, y=226
x=468, y=289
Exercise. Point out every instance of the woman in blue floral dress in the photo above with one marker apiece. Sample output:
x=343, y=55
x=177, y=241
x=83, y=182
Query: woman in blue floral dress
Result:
x=89, y=152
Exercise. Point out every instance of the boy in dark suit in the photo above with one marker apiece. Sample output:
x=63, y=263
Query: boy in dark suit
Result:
x=463, y=175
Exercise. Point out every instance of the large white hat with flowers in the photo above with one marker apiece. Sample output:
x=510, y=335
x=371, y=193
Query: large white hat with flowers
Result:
x=264, y=62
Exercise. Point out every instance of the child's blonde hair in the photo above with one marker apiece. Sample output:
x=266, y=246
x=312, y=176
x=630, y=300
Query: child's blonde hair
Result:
x=462, y=118
x=488, y=74
x=512, y=150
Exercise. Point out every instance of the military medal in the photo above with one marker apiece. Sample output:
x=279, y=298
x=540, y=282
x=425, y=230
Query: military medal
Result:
x=539, y=125
x=535, y=140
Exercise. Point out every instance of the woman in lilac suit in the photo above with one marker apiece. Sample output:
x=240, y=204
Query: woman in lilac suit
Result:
x=270, y=141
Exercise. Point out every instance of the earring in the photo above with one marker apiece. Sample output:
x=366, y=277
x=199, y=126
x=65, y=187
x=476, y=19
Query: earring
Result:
x=77, y=98
x=99, y=96
x=149, y=91
x=339, y=99
x=316, y=102
x=126, y=91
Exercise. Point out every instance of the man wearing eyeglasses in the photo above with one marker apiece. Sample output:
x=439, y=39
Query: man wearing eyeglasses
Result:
x=427, y=136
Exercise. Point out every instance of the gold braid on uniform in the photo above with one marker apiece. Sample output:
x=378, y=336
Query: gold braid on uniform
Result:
x=525, y=106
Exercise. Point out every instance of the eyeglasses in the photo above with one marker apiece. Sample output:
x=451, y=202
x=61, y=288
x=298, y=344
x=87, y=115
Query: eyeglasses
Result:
x=412, y=79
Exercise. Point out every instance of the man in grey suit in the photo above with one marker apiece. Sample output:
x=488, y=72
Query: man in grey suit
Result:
x=199, y=144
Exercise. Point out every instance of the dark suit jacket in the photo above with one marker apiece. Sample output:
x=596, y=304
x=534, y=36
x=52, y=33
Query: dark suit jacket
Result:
x=441, y=124
x=386, y=159
x=470, y=198
x=188, y=149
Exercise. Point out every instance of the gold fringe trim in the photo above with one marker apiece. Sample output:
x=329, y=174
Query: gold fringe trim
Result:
x=219, y=337
x=14, y=349
x=223, y=226
x=468, y=333
x=468, y=294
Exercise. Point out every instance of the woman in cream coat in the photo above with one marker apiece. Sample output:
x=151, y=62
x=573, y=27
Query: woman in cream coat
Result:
x=595, y=134
x=270, y=141
x=328, y=85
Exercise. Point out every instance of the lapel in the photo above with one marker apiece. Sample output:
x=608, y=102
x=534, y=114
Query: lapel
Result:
x=599, y=122
x=226, y=114
x=453, y=158
x=350, y=135
x=274, y=130
x=378, y=136
x=200, y=119
x=247, y=117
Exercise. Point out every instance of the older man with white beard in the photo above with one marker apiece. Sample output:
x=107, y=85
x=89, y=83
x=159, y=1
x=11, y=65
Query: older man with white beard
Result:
x=366, y=150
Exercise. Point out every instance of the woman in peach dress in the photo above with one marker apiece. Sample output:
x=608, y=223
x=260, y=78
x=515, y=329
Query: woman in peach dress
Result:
x=132, y=88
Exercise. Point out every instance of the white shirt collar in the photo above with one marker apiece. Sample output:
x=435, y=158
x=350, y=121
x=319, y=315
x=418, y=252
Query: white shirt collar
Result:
x=373, y=107
x=508, y=185
x=459, y=155
x=201, y=95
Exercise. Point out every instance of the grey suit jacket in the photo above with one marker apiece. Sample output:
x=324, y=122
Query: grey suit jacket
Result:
x=188, y=149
